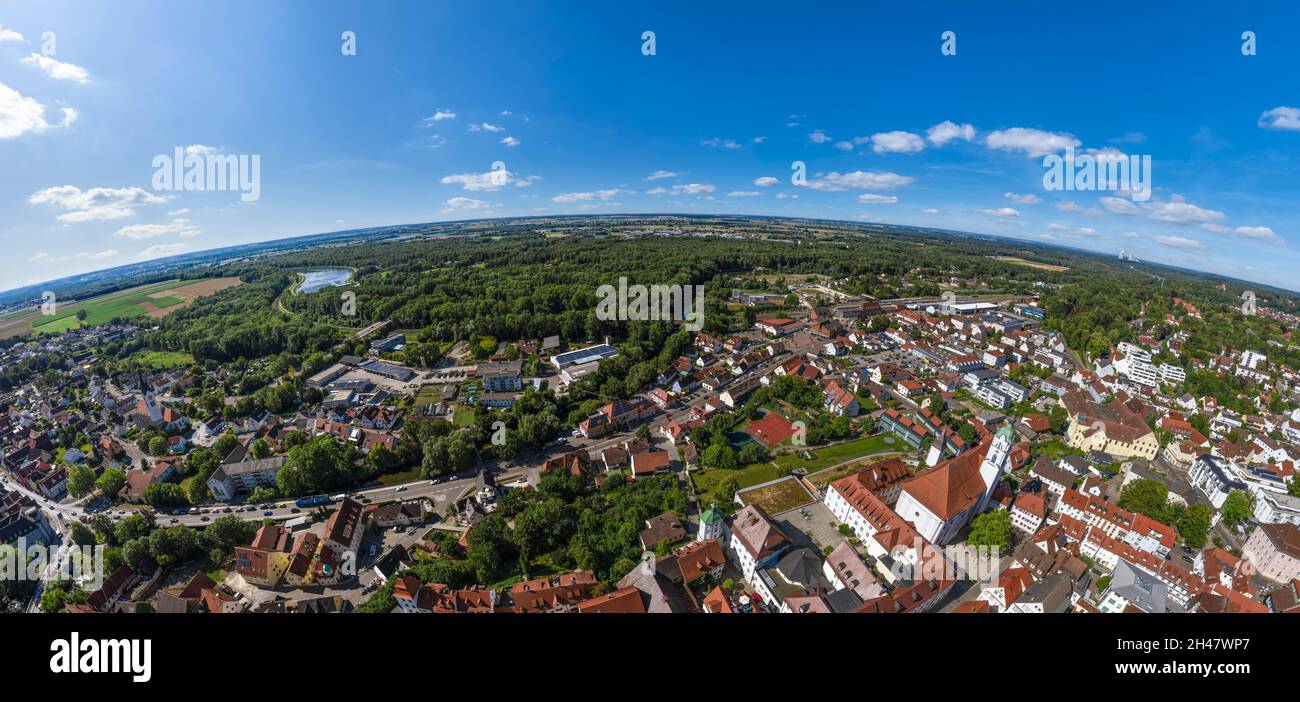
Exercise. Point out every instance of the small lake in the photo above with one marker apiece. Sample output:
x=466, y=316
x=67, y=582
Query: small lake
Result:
x=314, y=281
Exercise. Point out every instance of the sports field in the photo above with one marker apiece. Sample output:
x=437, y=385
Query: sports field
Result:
x=154, y=300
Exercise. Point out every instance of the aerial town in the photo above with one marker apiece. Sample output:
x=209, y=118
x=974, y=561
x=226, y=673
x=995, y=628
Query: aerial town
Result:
x=934, y=448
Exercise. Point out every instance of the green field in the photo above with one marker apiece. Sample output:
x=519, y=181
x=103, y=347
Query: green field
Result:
x=158, y=360
x=101, y=310
x=833, y=455
x=706, y=481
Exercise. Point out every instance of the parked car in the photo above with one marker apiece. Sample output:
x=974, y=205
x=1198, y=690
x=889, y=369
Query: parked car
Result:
x=267, y=513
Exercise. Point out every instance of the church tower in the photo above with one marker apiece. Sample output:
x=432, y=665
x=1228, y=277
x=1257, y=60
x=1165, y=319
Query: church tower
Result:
x=997, y=460
x=710, y=524
x=936, y=449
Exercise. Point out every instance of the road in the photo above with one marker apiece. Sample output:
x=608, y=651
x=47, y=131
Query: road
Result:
x=445, y=491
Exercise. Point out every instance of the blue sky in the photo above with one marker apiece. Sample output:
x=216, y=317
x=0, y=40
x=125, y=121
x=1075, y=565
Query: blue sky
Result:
x=408, y=129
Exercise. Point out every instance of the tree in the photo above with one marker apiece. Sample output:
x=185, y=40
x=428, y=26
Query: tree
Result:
x=158, y=446
x=1194, y=525
x=81, y=480
x=165, y=495
x=727, y=488
x=110, y=481
x=720, y=455
x=992, y=529
x=263, y=493
x=1149, y=497
x=1237, y=508
x=260, y=449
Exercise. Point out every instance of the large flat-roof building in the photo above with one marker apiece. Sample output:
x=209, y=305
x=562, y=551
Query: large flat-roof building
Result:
x=599, y=352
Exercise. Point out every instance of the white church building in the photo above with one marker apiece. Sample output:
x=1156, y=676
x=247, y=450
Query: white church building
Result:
x=939, y=501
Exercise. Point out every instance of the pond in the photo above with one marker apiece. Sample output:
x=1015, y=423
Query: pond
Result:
x=314, y=281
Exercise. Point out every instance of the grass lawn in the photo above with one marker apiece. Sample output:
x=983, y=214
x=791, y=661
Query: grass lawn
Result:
x=779, y=497
x=428, y=394
x=463, y=417
x=832, y=455
x=706, y=481
x=163, y=359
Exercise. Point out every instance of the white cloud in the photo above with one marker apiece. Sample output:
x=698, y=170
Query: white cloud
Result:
x=588, y=196
x=844, y=145
x=201, y=150
x=765, y=181
x=461, y=204
x=744, y=193
x=485, y=127
x=1075, y=208
x=505, y=113
x=526, y=181
x=1119, y=205
x=896, y=143
x=99, y=255
x=1000, y=212
x=510, y=141
x=95, y=203
x=818, y=137
x=1180, y=211
x=874, y=199
x=760, y=139
x=715, y=142
x=859, y=180
x=1261, y=233
x=20, y=115
x=1033, y=142
x=693, y=189
x=59, y=70
x=38, y=256
x=1286, y=118
x=161, y=250
x=660, y=175
x=9, y=35
x=1215, y=227
x=1179, y=242
x=657, y=191
x=946, y=131
x=440, y=115
x=480, y=182
x=930, y=211
x=181, y=227
x=177, y=213
x=1029, y=199
x=782, y=196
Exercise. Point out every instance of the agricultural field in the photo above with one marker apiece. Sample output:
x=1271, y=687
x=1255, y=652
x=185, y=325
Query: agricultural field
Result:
x=154, y=300
x=1032, y=264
